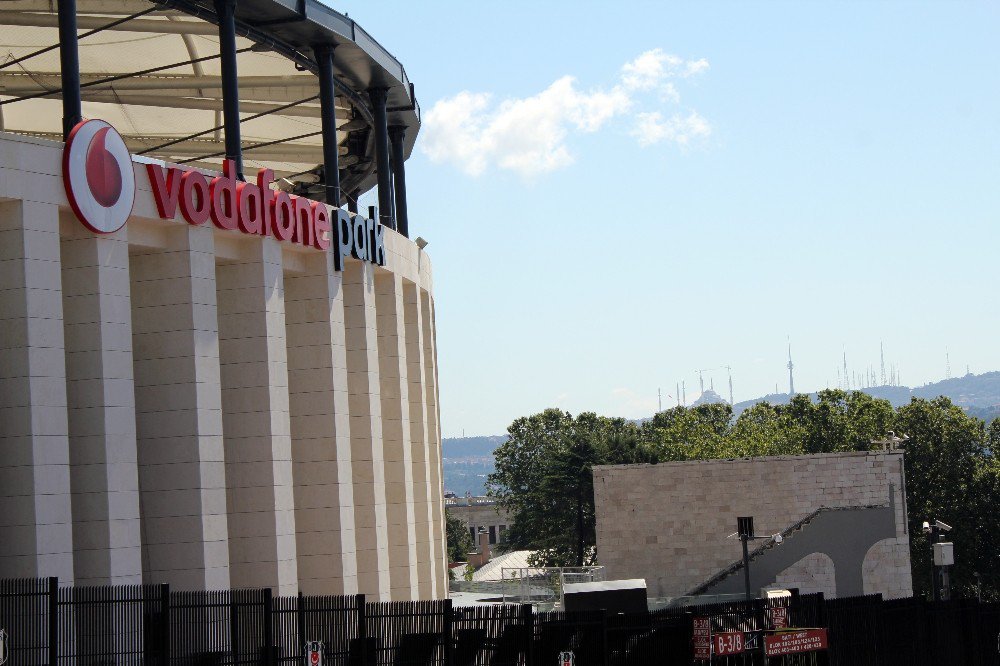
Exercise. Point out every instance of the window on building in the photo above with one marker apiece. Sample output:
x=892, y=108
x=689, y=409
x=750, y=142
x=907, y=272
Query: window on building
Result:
x=493, y=534
x=472, y=531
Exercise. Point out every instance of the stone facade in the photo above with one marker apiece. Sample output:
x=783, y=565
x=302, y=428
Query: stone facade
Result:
x=479, y=513
x=671, y=523
x=187, y=405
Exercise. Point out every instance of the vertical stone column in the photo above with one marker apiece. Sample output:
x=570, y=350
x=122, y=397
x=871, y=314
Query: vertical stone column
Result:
x=256, y=437
x=182, y=478
x=422, y=490
x=438, y=550
x=320, y=427
x=101, y=406
x=35, y=501
x=396, y=443
x=368, y=472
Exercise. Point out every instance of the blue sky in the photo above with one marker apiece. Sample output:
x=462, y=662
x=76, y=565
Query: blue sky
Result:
x=714, y=179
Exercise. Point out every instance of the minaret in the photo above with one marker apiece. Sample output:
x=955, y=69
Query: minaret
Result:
x=791, y=380
x=677, y=394
x=729, y=369
x=701, y=382
x=684, y=394
x=659, y=401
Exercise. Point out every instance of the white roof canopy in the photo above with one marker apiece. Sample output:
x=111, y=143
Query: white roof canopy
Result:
x=171, y=105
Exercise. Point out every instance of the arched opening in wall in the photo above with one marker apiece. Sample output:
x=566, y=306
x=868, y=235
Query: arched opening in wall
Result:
x=813, y=573
x=886, y=570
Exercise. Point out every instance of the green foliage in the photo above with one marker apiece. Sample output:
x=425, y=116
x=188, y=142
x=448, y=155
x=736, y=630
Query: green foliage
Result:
x=459, y=540
x=949, y=477
x=544, y=476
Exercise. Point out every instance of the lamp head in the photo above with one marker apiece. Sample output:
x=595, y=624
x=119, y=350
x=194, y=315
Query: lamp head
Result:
x=421, y=243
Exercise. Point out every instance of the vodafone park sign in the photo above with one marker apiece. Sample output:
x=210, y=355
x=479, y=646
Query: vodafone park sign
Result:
x=100, y=186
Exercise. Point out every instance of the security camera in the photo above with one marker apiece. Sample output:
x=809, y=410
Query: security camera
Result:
x=926, y=527
x=944, y=527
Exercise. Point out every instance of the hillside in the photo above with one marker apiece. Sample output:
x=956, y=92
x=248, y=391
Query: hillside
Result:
x=468, y=460
x=471, y=447
x=978, y=394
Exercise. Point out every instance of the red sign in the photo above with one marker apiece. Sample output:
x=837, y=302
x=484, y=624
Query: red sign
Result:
x=795, y=642
x=100, y=186
x=728, y=642
x=97, y=173
x=702, y=638
x=779, y=617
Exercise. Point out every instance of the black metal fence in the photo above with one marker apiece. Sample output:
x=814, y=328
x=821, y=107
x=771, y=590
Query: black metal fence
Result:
x=48, y=625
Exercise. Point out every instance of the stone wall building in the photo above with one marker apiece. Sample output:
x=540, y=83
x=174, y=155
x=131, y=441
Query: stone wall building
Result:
x=479, y=513
x=842, y=516
x=201, y=407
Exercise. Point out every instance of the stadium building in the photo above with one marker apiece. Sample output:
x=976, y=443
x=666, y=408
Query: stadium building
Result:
x=214, y=370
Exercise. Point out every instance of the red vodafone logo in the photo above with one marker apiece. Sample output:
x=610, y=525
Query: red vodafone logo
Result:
x=97, y=173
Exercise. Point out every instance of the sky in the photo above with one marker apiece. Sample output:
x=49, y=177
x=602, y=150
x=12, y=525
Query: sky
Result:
x=618, y=195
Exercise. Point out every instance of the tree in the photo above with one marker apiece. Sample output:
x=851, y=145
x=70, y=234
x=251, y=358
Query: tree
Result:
x=689, y=433
x=544, y=472
x=839, y=421
x=459, y=540
x=544, y=479
x=765, y=430
x=949, y=477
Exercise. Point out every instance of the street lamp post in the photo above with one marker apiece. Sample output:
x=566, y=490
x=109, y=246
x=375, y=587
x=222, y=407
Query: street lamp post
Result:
x=943, y=556
x=744, y=529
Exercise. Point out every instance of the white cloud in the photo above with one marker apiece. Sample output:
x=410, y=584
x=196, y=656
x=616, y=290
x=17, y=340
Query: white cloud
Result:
x=651, y=128
x=650, y=69
x=530, y=135
x=524, y=135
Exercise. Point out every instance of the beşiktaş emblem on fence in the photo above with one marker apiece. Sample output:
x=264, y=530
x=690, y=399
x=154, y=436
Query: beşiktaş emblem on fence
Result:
x=4, y=649
x=567, y=659
x=314, y=653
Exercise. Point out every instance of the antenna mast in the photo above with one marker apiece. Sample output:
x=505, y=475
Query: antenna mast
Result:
x=791, y=380
x=881, y=351
x=847, y=377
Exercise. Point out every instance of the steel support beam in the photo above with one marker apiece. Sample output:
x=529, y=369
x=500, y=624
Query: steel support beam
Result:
x=396, y=136
x=378, y=97
x=69, y=63
x=226, y=11
x=94, y=22
x=328, y=106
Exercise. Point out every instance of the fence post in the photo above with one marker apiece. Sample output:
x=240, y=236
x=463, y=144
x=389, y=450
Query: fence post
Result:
x=268, y=634
x=53, y=621
x=362, y=628
x=301, y=622
x=165, y=622
x=528, y=618
x=448, y=632
x=234, y=625
x=604, y=636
